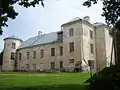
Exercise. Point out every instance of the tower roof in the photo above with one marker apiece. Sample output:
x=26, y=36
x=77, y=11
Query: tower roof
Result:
x=13, y=37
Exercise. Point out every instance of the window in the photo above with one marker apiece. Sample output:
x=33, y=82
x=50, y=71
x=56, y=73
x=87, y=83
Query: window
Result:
x=12, y=56
x=28, y=55
x=60, y=35
x=52, y=65
x=52, y=51
x=61, y=64
x=61, y=51
x=34, y=66
x=34, y=54
x=42, y=53
x=13, y=45
x=91, y=48
x=20, y=56
x=27, y=66
x=71, y=46
x=71, y=32
x=91, y=34
x=71, y=60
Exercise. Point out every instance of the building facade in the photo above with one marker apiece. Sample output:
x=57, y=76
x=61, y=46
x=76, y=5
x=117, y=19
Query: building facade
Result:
x=76, y=46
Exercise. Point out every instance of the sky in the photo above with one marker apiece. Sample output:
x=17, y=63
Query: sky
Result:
x=48, y=19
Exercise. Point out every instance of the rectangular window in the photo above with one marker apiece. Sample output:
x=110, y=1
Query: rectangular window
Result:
x=13, y=45
x=20, y=56
x=61, y=64
x=28, y=55
x=71, y=46
x=42, y=53
x=91, y=34
x=12, y=56
x=34, y=54
x=61, y=51
x=52, y=65
x=27, y=66
x=91, y=48
x=71, y=60
x=71, y=33
x=52, y=51
x=34, y=66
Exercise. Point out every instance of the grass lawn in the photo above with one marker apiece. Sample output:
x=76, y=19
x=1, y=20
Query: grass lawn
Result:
x=42, y=81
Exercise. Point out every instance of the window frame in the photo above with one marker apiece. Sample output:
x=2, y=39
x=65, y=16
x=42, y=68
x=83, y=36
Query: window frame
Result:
x=71, y=32
x=52, y=51
x=52, y=64
x=71, y=61
x=91, y=48
x=61, y=50
x=34, y=54
x=91, y=34
x=41, y=53
x=13, y=45
x=28, y=55
x=12, y=57
x=34, y=66
x=71, y=47
x=20, y=56
x=27, y=66
x=61, y=64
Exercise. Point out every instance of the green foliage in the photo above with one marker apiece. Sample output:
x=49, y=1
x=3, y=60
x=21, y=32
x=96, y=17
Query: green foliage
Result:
x=1, y=57
x=42, y=81
x=107, y=79
x=7, y=9
x=111, y=10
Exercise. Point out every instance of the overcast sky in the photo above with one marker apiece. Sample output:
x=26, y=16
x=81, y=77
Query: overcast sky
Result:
x=49, y=18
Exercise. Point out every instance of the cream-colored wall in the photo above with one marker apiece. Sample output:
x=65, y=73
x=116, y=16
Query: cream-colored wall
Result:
x=81, y=41
x=40, y=62
x=108, y=45
x=100, y=48
x=101, y=43
x=8, y=64
x=87, y=55
x=76, y=55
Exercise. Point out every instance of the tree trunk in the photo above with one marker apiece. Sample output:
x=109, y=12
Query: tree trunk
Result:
x=117, y=47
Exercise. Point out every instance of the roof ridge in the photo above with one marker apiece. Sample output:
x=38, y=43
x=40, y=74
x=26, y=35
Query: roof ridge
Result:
x=37, y=39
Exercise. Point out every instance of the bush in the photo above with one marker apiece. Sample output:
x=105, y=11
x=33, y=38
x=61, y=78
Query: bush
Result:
x=107, y=79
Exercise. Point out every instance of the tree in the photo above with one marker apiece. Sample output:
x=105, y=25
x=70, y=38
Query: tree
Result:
x=7, y=9
x=1, y=57
x=111, y=10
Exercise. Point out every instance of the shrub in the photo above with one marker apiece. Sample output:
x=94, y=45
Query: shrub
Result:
x=107, y=79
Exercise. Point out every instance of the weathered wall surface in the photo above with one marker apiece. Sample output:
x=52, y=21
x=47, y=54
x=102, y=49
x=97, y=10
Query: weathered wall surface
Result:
x=8, y=64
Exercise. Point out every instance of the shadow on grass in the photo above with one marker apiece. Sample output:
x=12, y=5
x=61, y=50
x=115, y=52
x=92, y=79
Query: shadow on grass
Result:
x=50, y=87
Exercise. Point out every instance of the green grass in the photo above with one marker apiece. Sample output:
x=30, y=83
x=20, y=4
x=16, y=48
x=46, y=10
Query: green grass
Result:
x=42, y=81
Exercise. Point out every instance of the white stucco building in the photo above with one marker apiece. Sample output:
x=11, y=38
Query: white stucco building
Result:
x=72, y=47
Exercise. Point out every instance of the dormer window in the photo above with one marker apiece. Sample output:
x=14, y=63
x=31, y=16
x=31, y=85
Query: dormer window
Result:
x=60, y=35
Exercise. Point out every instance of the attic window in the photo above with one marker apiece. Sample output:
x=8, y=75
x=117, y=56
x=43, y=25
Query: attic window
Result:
x=60, y=35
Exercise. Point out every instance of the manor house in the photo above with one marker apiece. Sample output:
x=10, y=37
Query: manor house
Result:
x=78, y=45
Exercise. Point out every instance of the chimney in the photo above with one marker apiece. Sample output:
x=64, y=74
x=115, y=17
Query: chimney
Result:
x=39, y=33
x=86, y=18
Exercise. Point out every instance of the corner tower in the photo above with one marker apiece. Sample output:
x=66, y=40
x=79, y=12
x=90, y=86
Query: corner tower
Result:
x=11, y=44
